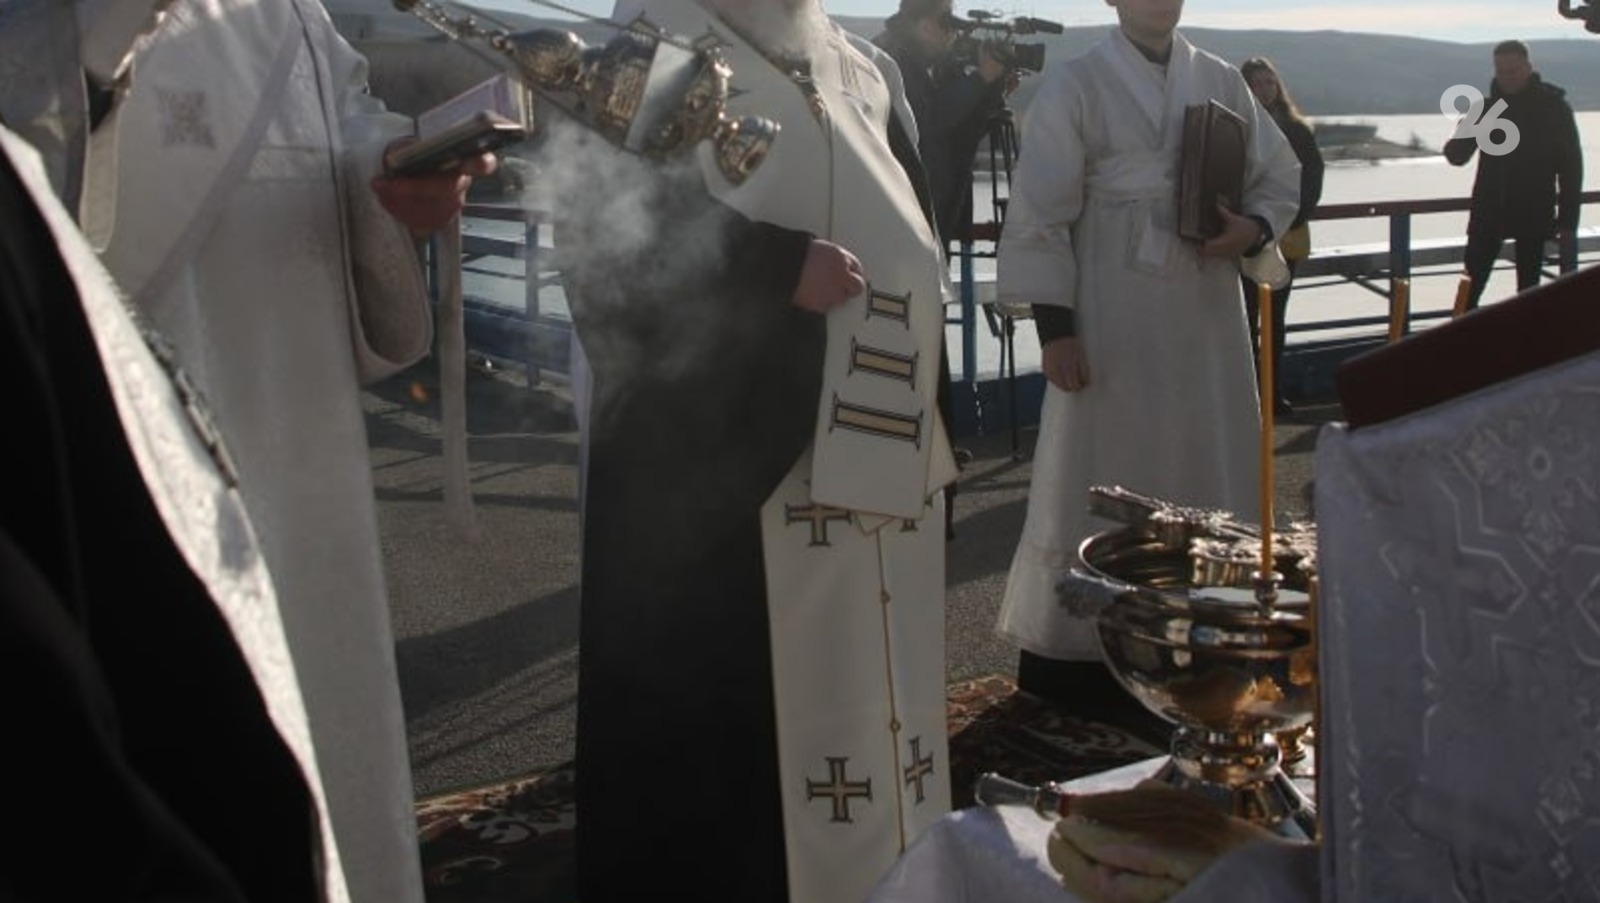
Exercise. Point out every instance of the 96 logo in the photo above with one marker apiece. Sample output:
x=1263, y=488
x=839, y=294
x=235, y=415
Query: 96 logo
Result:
x=1476, y=123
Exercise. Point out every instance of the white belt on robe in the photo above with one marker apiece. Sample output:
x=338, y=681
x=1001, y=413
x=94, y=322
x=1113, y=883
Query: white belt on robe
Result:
x=1144, y=182
x=1132, y=177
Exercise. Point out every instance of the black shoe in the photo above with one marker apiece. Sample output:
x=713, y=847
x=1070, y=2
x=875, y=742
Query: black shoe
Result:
x=963, y=458
x=1282, y=408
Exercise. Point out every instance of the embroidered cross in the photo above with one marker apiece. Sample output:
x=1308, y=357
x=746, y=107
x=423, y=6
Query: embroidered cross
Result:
x=184, y=119
x=818, y=516
x=838, y=789
x=920, y=768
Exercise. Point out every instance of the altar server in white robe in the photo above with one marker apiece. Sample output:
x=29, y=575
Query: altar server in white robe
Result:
x=137, y=618
x=1143, y=337
x=761, y=683
x=229, y=176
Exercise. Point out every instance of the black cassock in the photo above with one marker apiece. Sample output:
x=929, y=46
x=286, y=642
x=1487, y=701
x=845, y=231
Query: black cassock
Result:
x=706, y=384
x=143, y=763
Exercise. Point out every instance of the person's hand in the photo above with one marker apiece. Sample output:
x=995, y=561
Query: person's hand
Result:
x=427, y=203
x=1013, y=81
x=990, y=66
x=1065, y=364
x=1238, y=234
x=830, y=277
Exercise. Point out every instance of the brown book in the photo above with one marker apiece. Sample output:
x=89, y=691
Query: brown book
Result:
x=1213, y=168
x=1538, y=328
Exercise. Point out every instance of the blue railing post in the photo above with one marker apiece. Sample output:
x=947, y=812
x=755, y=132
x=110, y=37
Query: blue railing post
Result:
x=969, y=318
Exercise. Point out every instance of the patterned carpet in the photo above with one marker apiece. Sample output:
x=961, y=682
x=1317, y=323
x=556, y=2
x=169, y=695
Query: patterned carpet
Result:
x=512, y=842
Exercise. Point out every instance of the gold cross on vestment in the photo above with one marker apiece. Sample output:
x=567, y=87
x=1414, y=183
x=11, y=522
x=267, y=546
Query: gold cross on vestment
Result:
x=838, y=789
x=920, y=767
x=818, y=516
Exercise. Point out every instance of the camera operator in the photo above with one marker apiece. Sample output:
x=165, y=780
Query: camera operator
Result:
x=953, y=100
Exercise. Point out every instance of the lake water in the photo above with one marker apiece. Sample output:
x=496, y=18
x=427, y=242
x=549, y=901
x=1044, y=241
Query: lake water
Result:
x=1422, y=177
x=1419, y=178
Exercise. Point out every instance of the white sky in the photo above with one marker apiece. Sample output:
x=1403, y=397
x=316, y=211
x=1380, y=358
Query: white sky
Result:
x=1470, y=21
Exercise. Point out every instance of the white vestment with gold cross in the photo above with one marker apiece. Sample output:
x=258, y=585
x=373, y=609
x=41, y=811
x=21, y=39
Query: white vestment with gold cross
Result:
x=854, y=536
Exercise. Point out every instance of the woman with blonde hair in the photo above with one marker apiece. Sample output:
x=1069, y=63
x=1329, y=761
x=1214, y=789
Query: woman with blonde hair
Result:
x=1273, y=95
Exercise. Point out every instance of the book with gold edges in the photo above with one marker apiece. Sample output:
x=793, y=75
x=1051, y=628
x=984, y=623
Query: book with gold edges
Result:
x=1212, y=170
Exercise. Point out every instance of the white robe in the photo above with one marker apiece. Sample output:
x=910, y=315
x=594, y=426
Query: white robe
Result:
x=1171, y=408
x=205, y=516
x=853, y=537
x=234, y=209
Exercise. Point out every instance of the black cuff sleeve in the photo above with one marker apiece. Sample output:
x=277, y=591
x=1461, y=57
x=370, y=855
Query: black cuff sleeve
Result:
x=768, y=258
x=1053, y=322
x=1266, y=236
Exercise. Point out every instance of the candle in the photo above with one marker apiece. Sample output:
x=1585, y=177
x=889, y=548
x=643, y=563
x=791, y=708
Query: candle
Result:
x=1399, y=304
x=1264, y=368
x=1463, y=295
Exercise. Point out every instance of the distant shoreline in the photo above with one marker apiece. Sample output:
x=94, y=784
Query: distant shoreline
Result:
x=1375, y=149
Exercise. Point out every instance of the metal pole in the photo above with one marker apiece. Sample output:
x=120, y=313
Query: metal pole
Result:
x=1400, y=264
x=530, y=285
x=451, y=329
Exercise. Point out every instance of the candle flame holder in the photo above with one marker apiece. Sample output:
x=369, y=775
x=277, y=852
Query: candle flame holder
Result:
x=1200, y=636
x=644, y=90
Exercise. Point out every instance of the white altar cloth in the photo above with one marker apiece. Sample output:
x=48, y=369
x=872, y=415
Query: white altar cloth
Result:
x=997, y=855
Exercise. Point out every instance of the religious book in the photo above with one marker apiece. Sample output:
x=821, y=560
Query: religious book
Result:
x=1212, y=169
x=483, y=118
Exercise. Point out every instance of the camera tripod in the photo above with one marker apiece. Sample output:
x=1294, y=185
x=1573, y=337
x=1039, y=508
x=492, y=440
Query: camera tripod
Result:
x=1003, y=148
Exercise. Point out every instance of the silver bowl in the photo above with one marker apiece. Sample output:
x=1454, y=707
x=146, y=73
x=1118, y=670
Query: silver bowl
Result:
x=1230, y=665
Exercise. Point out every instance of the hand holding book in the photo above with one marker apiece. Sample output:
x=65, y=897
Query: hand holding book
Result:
x=1211, y=175
x=1239, y=234
x=425, y=178
x=472, y=124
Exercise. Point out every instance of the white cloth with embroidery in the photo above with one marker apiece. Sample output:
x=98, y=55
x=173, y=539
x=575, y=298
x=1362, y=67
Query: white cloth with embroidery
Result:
x=1459, y=557
x=853, y=537
x=205, y=516
x=230, y=197
x=1170, y=409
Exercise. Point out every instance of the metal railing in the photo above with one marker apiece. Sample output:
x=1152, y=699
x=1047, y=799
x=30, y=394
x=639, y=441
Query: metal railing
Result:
x=538, y=341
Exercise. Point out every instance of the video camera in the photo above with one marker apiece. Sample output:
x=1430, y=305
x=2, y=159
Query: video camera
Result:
x=1001, y=42
x=1588, y=13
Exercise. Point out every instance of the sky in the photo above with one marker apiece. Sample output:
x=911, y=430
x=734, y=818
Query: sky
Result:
x=1469, y=21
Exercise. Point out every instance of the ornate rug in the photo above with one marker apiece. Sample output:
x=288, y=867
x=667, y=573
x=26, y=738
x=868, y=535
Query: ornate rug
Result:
x=512, y=842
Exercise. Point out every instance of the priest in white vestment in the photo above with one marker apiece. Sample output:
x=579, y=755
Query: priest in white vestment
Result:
x=1144, y=341
x=761, y=688
x=230, y=177
x=137, y=618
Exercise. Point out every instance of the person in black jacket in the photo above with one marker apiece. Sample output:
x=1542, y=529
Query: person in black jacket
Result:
x=1273, y=94
x=1516, y=192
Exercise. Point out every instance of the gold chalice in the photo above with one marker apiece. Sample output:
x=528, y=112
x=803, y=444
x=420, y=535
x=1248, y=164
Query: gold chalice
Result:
x=1199, y=637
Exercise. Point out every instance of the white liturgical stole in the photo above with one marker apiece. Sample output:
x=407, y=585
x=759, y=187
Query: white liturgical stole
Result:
x=853, y=538
x=831, y=172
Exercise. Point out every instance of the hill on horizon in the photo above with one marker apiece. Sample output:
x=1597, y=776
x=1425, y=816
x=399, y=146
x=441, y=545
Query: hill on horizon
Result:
x=1340, y=73
x=1329, y=73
